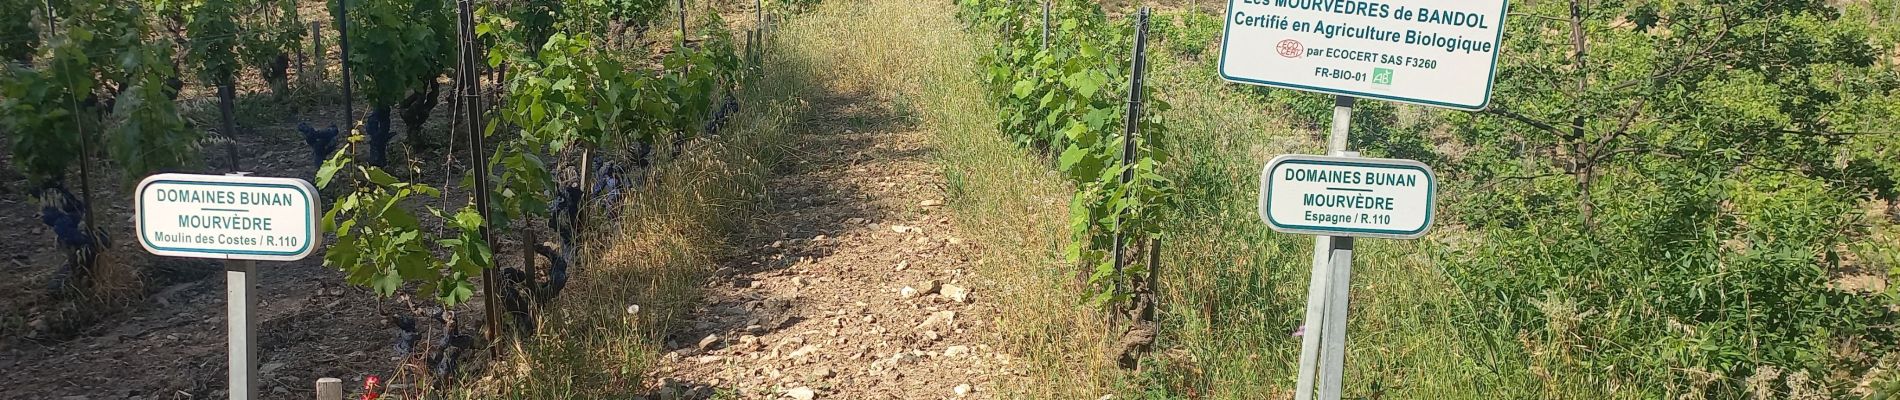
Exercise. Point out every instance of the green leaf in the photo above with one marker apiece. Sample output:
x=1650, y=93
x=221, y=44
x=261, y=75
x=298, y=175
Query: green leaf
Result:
x=377, y=176
x=386, y=283
x=459, y=290
x=1023, y=89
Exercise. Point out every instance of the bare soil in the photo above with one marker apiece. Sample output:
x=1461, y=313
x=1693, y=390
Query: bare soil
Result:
x=817, y=301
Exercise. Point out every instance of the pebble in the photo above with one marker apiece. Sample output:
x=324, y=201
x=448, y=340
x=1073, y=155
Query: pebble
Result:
x=749, y=342
x=709, y=341
x=930, y=287
x=802, y=351
x=963, y=389
x=956, y=293
x=823, y=373
x=945, y=318
x=931, y=203
x=954, y=351
x=907, y=292
x=801, y=393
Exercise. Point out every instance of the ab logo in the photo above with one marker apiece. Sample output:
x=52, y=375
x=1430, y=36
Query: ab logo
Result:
x=1382, y=76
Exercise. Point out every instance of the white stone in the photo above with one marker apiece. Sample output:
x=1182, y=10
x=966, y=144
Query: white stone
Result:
x=802, y=351
x=945, y=318
x=801, y=393
x=956, y=293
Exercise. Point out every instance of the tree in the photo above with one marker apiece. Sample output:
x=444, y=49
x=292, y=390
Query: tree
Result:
x=1703, y=84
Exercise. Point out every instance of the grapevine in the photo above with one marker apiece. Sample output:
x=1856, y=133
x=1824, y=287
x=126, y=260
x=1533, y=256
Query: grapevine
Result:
x=97, y=81
x=18, y=37
x=412, y=42
x=561, y=93
x=1063, y=100
x=270, y=40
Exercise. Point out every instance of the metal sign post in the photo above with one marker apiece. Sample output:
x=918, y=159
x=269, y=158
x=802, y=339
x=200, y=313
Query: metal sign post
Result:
x=1326, y=296
x=1427, y=52
x=239, y=219
x=240, y=302
x=1338, y=198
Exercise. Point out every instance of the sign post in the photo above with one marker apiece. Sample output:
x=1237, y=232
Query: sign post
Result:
x=1426, y=52
x=239, y=219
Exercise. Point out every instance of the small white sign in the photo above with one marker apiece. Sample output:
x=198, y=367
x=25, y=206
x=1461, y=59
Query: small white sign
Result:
x=1439, y=53
x=228, y=217
x=1348, y=196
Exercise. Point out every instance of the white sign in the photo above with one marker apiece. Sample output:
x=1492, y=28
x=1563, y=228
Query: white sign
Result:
x=1348, y=196
x=228, y=217
x=1432, y=52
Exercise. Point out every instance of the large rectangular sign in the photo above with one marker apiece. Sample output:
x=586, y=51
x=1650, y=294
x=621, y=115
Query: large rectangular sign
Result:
x=1439, y=53
x=228, y=217
x=1348, y=196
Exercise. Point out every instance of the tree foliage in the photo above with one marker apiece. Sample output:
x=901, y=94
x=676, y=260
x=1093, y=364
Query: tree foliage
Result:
x=1664, y=189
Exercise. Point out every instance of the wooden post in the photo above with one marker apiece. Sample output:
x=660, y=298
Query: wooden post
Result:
x=329, y=389
x=471, y=104
x=343, y=41
x=300, y=71
x=317, y=52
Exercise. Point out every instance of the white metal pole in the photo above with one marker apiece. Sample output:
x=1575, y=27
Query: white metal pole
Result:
x=240, y=301
x=1315, y=315
x=1317, y=290
x=1333, y=347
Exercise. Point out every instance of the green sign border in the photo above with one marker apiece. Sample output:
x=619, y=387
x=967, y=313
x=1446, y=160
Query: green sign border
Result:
x=308, y=221
x=1431, y=194
x=1490, y=81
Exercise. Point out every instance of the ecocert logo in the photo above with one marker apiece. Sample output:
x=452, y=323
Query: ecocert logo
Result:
x=1290, y=48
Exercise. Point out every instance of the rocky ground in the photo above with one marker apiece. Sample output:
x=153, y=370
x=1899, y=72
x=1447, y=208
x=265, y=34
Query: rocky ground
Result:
x=859, y=288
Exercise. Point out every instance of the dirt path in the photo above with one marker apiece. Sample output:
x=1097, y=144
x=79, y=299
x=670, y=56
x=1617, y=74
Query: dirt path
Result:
x=816, y=304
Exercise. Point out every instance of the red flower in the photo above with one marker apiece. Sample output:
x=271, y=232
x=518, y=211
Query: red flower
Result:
x=370, y=386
